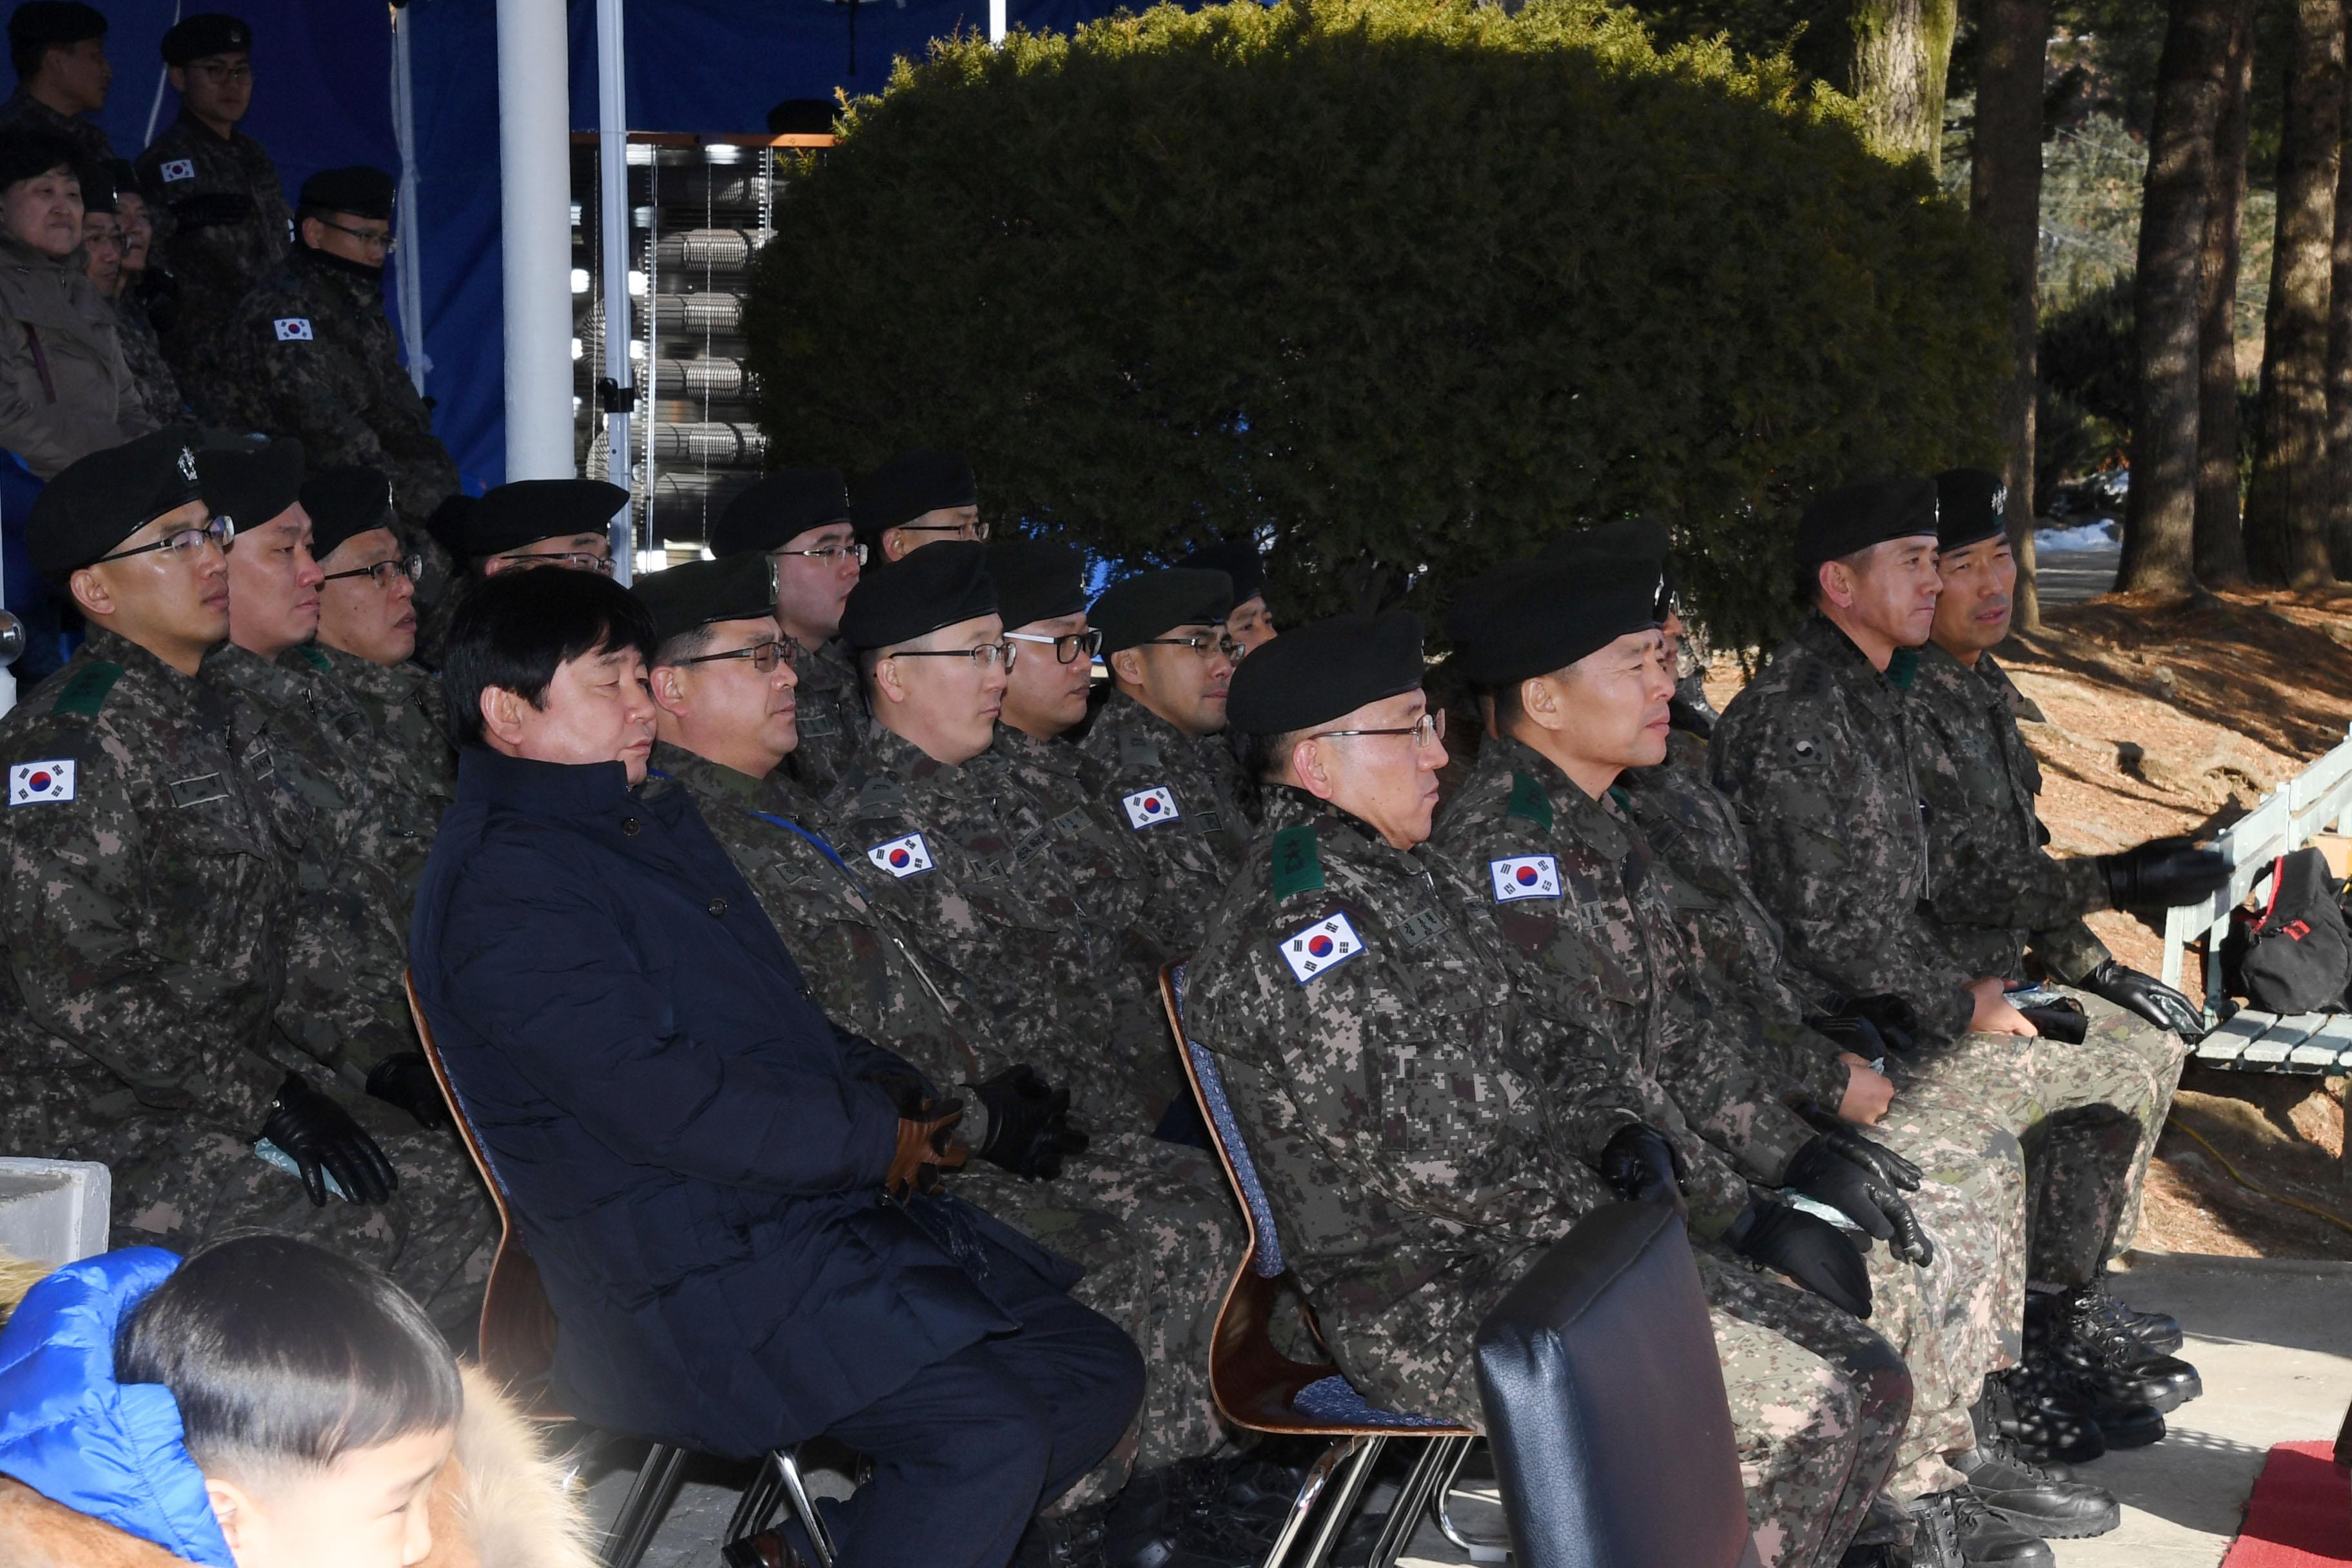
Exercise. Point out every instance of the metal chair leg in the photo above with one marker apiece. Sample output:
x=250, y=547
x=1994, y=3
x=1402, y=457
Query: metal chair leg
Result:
x=641, y=1513
x=757, y=1506
x=1481, y=1547
x=1343, y=1503
x=788, y=1472
x=1310, y=1489
x=1439, y=1460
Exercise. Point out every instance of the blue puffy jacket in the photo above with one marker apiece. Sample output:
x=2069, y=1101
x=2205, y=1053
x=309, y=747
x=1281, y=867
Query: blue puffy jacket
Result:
x=84, y=1441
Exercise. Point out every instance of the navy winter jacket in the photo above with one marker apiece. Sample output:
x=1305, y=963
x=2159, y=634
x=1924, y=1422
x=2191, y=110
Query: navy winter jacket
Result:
x=694, y=1153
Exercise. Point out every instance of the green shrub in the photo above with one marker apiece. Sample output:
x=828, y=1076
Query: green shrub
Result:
x=1405, y=284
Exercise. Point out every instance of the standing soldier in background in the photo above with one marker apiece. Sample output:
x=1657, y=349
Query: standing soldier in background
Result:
x=217, y=191
x=59, y=47
x=917, y=498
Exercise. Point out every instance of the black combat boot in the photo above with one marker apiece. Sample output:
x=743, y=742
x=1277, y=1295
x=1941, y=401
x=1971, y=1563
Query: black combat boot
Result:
x=2032, y=1498
x=1958, y=1531
x=2048, y=1423
x=2160, y=1332
x=2111, y=1360
x=1073, y=1539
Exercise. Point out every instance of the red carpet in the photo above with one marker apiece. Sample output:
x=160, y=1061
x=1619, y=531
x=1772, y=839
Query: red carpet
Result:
x=2301, y=1513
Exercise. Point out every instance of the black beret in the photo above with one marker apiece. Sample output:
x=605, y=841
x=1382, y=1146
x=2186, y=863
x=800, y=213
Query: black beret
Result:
x=102, y=499
x=447, y=525
x=906, y=487
x=936, y=586
x=206, y=33
x=251, y=485
x=25, y=153
x=1151, y=604
x=1526, y=618
x=527, y=510
x=1626, y=536
x=778, y=508
x=1971, y=506
x=358, y=190
x=46, y=22
x=1036, y=580
x=1237, y=558
x=98, y=186
x=1321, y=670
x=1854, y=517
x=345, y=501
x=731, y=588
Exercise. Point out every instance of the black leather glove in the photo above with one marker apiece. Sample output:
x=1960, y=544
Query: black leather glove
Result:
x=1853, y=1175
x=1812, y=1251
x=407, y=1080
x=1029, y=1131
x=1896, y=1021
x=2163, y=872
x=1891, y=1168
x=1851, y=1032
x=2147, y=995
x=321, y=1137
x=1642, y=1167
x=2064, y=1021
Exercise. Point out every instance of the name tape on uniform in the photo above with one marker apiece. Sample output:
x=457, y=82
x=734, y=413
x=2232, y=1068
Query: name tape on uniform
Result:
x=31, y=783
x=902, y=857
x=1328, y=941
x=1525, y=876
x=1147, y=806
x=293, y=330
x=178, y=169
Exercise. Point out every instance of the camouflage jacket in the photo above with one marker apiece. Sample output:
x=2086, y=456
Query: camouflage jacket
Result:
x=1390, y=1095
x=221, y=224
x=1579, y=912
x=149, y=899
x=1817, y=755
x=90, y=145
x=142, y=356
x=831, y=717
x=1156, y=780
x=1997, y=890
x=409, y=761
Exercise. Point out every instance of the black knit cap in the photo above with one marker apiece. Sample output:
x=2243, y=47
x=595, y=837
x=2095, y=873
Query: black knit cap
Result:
x=910, y=484
x=936, y=586
x=359, y=190
x=1237, y=558
x=525, y=511
x=25, y=153
x=102, y=499
x=1153, y=604
x=778, y=508
x=345, y=501
x=1972, y=506
x=204, y=34
x=1526, y=618
x=1036, y=580
x=731, y=588
x=251, y=485
x=1316, y=673
x=1854, y=517
x=47, y=22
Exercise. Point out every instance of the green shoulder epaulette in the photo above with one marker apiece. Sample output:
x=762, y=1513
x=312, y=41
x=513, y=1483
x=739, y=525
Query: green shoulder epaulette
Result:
x=1530, y=802
x=318, y=660
x=1903, y=669
x=1298, y=862
x=1624, y=802
x=85, y=691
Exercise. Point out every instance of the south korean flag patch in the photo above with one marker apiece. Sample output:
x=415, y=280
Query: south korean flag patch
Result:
x=1525, y=876
x=178, y=169
x=902, y=857
x=1149, y=807
x=293, y=329
x=1328, y=941
x=35, y=784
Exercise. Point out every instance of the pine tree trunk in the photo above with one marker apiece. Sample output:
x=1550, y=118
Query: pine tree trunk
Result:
x=2005, y=196
x=2339, y=367
x=2287, y=506
x=2159, y=523
x=2221, y=537
x=1902, y=52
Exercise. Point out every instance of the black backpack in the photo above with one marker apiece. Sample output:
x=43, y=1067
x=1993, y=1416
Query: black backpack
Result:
x=2296, y=956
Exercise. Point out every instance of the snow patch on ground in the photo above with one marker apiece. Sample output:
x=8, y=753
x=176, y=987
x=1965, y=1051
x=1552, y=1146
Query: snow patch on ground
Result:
x=2104, y=534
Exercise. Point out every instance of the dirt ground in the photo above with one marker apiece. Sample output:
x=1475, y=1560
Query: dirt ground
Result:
x=2179, y=717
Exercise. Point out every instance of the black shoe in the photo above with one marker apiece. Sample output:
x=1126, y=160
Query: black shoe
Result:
x=2160, y=1332
x=2052, y=1507
x=2047, y=1423
x=1957, y=1530
x=2112, y=1361
x=1074, y=1539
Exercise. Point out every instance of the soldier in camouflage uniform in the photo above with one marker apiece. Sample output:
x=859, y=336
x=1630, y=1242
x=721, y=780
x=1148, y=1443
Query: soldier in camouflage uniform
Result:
x=1397, y=1102
x=218, y=199
x=918, y=497
x=62, y=75
x=800, y=519
x=142, y=355
x=150, y=906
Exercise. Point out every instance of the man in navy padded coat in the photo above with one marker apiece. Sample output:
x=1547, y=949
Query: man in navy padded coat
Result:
x=700, y=1162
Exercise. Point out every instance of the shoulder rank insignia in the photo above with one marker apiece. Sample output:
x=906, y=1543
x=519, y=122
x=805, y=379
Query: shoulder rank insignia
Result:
x=1328, y=941
x=85, y=692
x=1524, y=877
x=293, y=330
x=1530, y=802
x=1148, y=807
x=1903, y=669
x=1298, y=863
x=1138, y=751
x=35, y=783
x=902, y=857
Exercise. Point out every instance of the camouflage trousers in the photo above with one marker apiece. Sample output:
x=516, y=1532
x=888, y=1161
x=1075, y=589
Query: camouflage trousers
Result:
x=2161, y=1054
x=1155, y=1227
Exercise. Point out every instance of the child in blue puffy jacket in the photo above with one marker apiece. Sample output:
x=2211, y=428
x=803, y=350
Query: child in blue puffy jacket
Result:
x=264, y=1404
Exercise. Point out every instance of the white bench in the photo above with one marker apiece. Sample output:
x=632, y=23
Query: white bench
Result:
x=2316, y=800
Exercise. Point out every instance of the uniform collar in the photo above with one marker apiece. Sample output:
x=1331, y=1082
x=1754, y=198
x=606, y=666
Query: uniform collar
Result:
x=699, y=775
x=115, y=648
x=887, y=752
x=188, y=120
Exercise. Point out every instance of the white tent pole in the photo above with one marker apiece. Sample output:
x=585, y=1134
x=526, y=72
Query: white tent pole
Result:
x=535, y=206
x=408, y=267
x=162, y=81
x=996, y=21
x=613, y=216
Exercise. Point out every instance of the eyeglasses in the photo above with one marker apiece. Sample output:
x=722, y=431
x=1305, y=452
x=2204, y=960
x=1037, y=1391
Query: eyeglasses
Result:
x=373, y=240
x=578, y=561
x=409, y=566
x=1206, y=646
x=185, y=543
x=831, y=554
x=1427, y=728
x=764, y=655
x=972, y=531
x=1068, y=648
x=986, y=653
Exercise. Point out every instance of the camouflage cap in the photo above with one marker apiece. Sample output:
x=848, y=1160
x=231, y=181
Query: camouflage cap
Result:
x=1151, y=604
x=1537, y=617
x=910, y=484
x=344, y=501
x=1036, y=580
x=102, y=499
x=1315, y=674
x=251, y=485
x=929, y=589
x=778, y=508
x=1971, y=506
x=731, y=588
